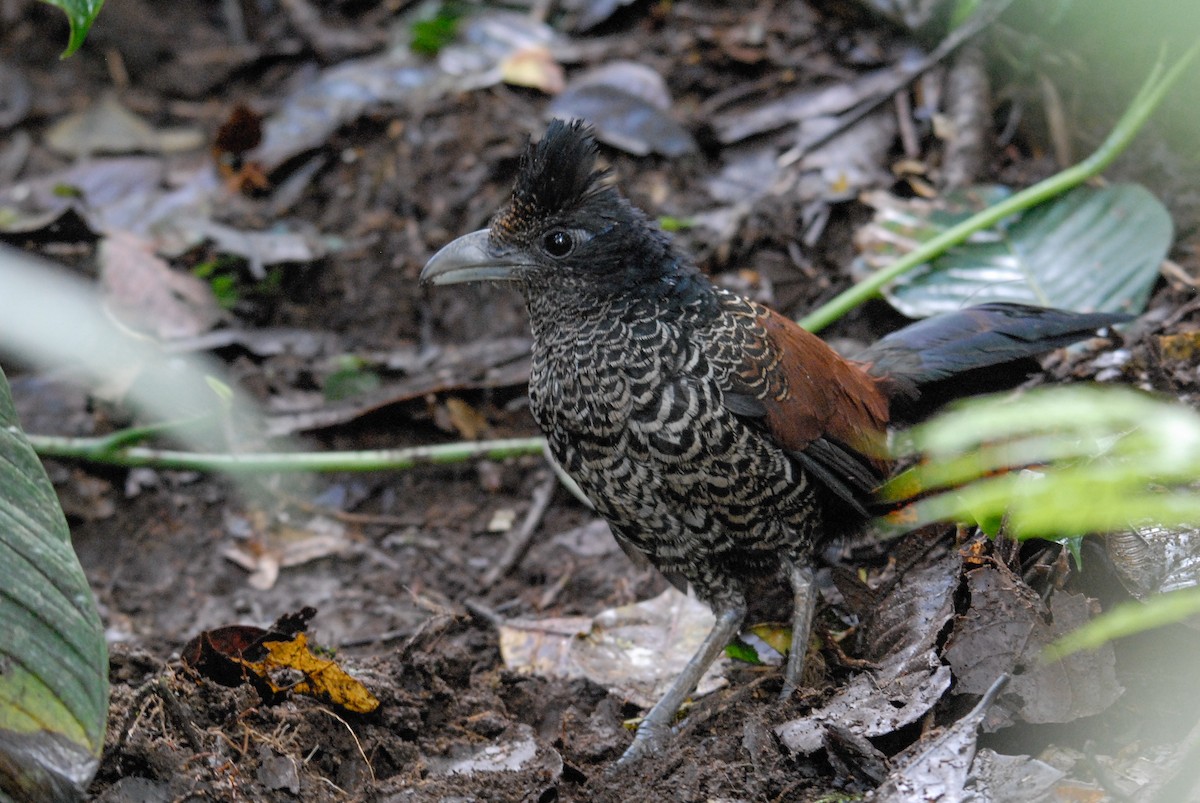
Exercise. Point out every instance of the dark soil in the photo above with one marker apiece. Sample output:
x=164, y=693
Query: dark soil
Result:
x=401, y=602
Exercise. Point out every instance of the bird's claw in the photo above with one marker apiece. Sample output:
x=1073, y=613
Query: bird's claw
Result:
x=650, y=739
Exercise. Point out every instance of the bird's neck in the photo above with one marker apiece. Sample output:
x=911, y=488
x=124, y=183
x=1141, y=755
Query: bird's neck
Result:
x=678, y=291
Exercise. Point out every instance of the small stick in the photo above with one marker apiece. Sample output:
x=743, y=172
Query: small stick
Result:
x=519, y=541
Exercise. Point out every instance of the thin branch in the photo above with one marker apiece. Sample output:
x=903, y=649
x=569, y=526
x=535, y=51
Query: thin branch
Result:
x=520, y=539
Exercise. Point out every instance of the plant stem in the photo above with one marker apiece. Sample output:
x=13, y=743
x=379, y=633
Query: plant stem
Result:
x=1139, y=111
x=100, y=450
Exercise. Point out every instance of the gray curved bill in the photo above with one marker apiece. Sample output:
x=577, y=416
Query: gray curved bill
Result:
x=471, y=258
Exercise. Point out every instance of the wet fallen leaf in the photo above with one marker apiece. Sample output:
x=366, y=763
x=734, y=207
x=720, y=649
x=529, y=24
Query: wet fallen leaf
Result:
x=909, y=677
x=868, y=707
x=260, y=249
x=636, y=650
x=590, y=540
x=271, y=546
x=514, y=751
x=999, y=777
x=487, y=364
x=1151, y=559
x=84, y=496
x=340, y=94
x=1005, y=630
x=628, y=104
x=16, y=96
x=108, y=127
x=590, y=13
x=938, y=770
x=144, y=293
x=759, y=116
x=910, y=618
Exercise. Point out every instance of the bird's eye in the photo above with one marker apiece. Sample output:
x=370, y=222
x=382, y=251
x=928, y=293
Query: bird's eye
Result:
x=558, y=243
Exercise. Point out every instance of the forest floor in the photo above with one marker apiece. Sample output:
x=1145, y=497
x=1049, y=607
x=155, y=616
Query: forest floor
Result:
x=394, y=562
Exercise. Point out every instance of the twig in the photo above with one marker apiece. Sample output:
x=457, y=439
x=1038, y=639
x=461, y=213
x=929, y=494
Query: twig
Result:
x=977, y=22
x=1144, y=103
x=520, y=539
x=362, y=753
x=183, y=719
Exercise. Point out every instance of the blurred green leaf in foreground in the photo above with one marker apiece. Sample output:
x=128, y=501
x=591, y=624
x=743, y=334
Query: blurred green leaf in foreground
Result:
x=1064, y=462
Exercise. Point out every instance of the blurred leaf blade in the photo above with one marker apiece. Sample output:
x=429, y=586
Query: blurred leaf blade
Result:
x=1127, y=619
x=54, y=690
x=80, y=14
x=1103, y=458
x=1080, y=460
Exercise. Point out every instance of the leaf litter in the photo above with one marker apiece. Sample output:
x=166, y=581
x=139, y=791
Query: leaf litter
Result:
x=393, y=155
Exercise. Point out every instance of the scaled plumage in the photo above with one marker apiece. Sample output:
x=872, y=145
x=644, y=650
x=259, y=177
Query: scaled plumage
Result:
x=718, y=438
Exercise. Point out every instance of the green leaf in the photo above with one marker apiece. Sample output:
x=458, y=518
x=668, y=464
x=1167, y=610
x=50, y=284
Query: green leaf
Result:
x=428, y=36
x=81, y=14
x=53, y=658
x=351, y=378
x=1106, y=458
x=741, y=651
x=675, y=224
x=1089, y=249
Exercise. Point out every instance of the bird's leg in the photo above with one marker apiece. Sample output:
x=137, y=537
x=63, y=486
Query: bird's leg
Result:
x=656, y=725
x=804, y=603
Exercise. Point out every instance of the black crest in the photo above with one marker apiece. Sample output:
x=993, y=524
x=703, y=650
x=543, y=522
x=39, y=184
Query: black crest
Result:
x=556, y=174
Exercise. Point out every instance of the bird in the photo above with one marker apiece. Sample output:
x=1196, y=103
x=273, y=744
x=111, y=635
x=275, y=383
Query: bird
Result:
x=719, y=439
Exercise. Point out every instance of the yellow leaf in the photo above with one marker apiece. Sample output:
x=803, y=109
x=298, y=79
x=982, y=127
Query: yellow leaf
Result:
x=324, y=679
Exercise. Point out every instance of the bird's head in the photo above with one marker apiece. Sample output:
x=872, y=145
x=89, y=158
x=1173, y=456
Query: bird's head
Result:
x=565, y=228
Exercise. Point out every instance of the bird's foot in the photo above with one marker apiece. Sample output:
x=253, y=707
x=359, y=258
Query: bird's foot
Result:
x=650, y=739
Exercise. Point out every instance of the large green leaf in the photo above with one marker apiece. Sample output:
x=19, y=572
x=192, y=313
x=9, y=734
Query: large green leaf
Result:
x=1089, y=249
x=53, y=659
x=81, y=14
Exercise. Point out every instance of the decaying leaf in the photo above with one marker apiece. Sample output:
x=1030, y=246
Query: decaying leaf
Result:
x=938, y=770
x=908, y=679
x=465, y=419
x=274, y=545
x=868, y=706
x=323, y=678
x=999, y=777
x=276, y=662
x=144, y=293
x=629, y=105
x=1005, y=630
x=1151, y=559
x=108, y=127
x=514, y=751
